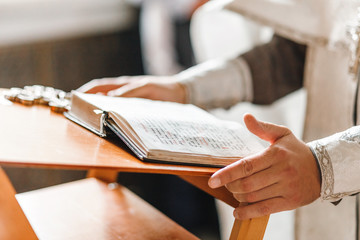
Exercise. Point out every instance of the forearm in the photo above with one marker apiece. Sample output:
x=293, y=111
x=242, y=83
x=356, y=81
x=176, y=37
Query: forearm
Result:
x=217, y=83
x=339, y=161
x=261, y=75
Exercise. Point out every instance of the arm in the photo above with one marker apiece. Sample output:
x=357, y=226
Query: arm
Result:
x=262, y=75
x=216, y=83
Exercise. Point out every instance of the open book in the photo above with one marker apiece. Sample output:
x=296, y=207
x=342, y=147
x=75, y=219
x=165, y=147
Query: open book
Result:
x=164, y=131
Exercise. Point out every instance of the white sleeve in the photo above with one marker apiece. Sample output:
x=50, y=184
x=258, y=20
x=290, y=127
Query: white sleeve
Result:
x=339, y=160
x=217, y=83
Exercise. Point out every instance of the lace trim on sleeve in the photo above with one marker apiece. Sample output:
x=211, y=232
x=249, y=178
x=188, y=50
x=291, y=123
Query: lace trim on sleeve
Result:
x=325, y=162
x=327, y=173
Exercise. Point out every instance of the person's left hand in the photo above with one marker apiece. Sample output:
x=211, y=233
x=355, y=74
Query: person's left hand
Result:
x=164, y=88
x=282, y=177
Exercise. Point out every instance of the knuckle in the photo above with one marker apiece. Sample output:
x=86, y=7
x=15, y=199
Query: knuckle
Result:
x=282, y=153
x=231, y=187
x=279, y=152
x=239, y=197
x=240, y=213
x=245, y=198
x=247, y=167
x=250, y=197
x=290, y=172
x=270, y=152
x=264, y=210
x=246, y=186
x=240, y=186
x=232, y=176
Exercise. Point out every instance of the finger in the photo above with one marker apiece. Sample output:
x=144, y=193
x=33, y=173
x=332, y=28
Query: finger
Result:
x=266, y=131
x=240, y=169
x=102, y=88
x=260, y=195
x=135, y=89
x=254, y=182
x=104, y=85
x=260, y=209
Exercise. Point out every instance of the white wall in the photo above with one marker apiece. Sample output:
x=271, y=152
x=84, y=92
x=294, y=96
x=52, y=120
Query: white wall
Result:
x=28, y=21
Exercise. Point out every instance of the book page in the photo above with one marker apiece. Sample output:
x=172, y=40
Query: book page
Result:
x=179, y=127
x=222, y=138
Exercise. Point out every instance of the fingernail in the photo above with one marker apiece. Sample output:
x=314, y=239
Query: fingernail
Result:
x=214, y=182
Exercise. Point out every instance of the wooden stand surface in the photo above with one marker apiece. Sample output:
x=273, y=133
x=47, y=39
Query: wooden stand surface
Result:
x=36, y=137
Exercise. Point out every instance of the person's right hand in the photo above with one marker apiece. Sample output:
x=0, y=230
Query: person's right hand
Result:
x=150, y=87
x=284, y=176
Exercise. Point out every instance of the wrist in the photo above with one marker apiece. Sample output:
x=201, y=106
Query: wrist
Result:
x=317, y=163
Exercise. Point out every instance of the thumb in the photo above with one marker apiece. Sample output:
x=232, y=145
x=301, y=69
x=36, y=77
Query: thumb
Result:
x=266, y=131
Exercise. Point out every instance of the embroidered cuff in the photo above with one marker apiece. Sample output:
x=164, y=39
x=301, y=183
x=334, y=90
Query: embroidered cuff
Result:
x=327, y=175
x=339, y=160
x=217, y=83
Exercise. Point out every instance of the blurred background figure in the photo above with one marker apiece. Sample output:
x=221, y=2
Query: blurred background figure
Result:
x=164, y=33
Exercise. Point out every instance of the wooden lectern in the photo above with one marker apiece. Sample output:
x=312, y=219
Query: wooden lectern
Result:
x=36, y=137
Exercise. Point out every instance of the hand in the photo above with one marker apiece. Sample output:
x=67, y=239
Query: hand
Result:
x=282, y=177
x=151, y=87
